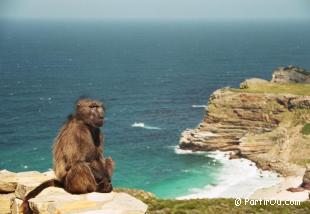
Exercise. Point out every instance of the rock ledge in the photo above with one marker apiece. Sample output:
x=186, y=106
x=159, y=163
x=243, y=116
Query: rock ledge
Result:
x=14, y=187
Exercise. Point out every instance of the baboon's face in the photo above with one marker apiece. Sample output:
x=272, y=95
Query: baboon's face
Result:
x=96, y=114
x=91, y=111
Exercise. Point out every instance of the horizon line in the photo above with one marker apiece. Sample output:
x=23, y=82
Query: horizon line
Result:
x=152, y=19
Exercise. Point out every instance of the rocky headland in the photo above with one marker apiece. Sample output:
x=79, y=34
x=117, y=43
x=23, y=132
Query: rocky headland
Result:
x=267, y=122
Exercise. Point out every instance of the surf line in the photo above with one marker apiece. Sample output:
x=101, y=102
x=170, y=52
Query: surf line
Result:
x=142, y=125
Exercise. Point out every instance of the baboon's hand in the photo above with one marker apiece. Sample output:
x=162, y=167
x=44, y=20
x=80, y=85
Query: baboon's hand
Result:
x=110, y=165
x=110, y=162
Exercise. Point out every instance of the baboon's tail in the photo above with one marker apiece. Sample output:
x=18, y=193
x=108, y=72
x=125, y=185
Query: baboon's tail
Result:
x=24, y=207
x=295, y=189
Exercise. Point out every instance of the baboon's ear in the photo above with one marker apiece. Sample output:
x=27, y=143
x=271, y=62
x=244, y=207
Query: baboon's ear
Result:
x=70, y=117
x=80, y=98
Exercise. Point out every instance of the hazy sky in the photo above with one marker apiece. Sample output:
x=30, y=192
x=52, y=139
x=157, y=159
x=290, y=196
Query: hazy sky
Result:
x=156, y=9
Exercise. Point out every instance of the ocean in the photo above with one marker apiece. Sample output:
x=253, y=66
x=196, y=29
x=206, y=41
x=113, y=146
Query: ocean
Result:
x=154, y=78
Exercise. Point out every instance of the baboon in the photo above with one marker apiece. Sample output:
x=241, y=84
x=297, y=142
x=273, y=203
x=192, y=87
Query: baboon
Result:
x=305, y=185
x=78, y=162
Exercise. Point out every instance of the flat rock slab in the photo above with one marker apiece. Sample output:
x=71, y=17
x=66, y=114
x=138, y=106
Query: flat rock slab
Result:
x=54, y=200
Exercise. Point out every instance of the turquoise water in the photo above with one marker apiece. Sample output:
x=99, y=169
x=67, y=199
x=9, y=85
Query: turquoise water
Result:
x=145, y=72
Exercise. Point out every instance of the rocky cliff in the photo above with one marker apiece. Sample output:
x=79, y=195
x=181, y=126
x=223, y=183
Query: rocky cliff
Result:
x=262, y=121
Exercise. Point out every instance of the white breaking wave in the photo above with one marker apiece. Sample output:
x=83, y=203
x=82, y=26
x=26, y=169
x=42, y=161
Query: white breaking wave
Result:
x=142, y=125
x=199, y=106
x=238, y=178
x=179, y=151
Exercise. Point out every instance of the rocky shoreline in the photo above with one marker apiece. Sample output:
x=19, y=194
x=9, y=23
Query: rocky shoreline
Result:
x=262, y=121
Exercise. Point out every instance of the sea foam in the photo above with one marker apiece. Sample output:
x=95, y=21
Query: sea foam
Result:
x=238, y=178
x=142, y=125
x=179, y=151
x=199, y=106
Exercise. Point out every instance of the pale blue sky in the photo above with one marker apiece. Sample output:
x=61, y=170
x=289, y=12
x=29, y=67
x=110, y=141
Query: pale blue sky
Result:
x=156, y=9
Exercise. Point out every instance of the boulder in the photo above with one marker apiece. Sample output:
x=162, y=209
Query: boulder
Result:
x=253, y=82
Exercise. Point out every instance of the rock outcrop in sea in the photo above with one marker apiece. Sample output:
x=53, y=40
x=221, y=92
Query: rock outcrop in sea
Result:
x=15, y=186
x=263, y=121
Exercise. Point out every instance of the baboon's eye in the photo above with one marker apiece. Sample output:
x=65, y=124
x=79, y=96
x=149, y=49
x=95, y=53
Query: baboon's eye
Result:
x=93, y=106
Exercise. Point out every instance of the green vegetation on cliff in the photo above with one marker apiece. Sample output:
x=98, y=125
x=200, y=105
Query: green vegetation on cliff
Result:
x=306, y=129
x=214, y=206
x=209, y=206
x=273, y=88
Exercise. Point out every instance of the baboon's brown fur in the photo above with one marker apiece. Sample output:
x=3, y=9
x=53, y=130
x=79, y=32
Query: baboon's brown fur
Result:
x=77, y=154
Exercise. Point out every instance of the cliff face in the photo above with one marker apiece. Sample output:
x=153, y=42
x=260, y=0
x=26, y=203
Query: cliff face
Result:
x=261, y=121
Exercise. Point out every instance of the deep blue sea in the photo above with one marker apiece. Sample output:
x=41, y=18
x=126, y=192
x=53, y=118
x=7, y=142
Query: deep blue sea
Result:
x=145, y=72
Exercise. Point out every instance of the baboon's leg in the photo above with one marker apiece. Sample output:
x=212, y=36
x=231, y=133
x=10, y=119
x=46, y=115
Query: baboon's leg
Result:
x=101, y=168
x=80, y=179
x=102, y=176
x=98, y=169
x=105, y=186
